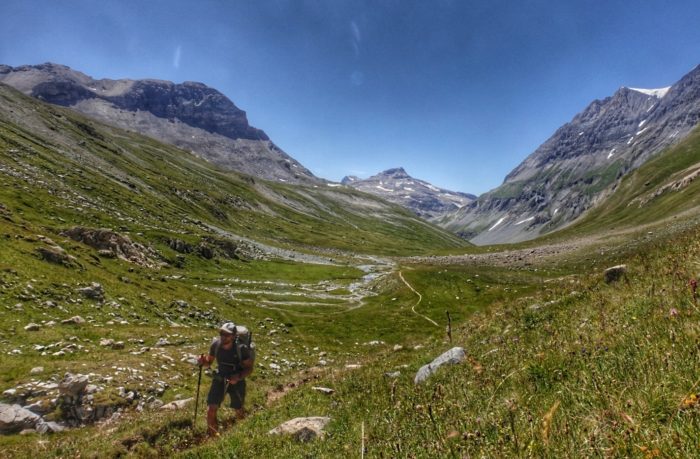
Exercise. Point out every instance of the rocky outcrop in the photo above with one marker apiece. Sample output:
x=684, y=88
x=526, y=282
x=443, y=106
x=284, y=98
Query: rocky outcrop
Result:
x=106, y=240
x=425, y=200
x=581, y=163
x=190, y=115
x=14, y=418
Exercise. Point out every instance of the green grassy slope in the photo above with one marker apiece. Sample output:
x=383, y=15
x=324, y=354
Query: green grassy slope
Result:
x=61, y=167
x=663, y=187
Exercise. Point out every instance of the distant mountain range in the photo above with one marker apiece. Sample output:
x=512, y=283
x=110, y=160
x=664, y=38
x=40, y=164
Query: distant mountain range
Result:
x=425, y=200
x=576, y=168
x=581, y=163
x=191, y=116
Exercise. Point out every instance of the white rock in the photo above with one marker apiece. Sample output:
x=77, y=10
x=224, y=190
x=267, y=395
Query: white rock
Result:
x=452, y=357
x=303, y=429
x=324, y=390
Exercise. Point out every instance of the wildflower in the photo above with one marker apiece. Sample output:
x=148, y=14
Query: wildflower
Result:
x=690, y=401
x=673, y=312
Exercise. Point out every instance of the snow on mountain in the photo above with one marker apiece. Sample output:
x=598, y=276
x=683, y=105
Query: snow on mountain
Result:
x=421, y=197
x=661, y=92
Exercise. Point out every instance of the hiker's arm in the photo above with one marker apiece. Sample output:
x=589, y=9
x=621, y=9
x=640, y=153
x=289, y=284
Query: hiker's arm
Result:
x=246, y=370
x=205, y=360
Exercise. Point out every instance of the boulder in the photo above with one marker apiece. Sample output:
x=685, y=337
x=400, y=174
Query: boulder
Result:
x=14, y=418
x=94, y=292
x=452, y=357
x=302, y=429
x=44, y=427
x=56, y=255
x=613, y=274
x=77, y=320
x=72, y=385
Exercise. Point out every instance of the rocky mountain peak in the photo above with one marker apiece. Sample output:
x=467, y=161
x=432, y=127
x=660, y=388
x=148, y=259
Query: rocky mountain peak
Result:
x=397, y=186
x=582, y=162
x=190, y=115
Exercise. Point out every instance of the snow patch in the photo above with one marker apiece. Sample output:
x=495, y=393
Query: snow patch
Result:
x=639, y=132
x=497, y=223
x=652, y=106
x=580, y=133
x=611, y=153
x=641, y=123
x=408, y=189
x=653, y=92
x=384, y=189
x=333, y=185
x=630, y=140
x=523, y=221
x=430, y=187
x=555, y=211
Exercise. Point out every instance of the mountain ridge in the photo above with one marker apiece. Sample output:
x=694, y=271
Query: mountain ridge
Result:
x=581, y=163
x=189, y=115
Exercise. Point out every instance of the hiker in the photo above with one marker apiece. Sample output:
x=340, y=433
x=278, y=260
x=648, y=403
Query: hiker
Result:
x=235, y=362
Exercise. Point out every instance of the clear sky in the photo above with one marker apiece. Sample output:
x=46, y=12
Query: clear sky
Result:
x=456, y=92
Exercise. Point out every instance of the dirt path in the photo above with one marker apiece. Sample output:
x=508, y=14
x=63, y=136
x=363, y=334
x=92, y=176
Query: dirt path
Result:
x=420, y=298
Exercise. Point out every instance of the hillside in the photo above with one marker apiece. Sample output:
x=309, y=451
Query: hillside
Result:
x=121, y=255
x=191, y=116
x=580, y=164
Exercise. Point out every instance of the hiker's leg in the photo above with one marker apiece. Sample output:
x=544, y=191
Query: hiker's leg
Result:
x=212, y=427
x=214, y=399
x=237, y=392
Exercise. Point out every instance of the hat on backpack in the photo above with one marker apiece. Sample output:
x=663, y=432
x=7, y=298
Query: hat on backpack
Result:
x=228, y=327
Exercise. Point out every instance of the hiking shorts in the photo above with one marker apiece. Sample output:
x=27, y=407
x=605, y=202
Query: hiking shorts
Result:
x=236, y=391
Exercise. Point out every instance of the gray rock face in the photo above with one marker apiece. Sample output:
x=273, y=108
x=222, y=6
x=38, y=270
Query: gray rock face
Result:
x=452, y=357
x=581, y=163
x=72, y=385
x=190, y=115
x=425, y=200
x=14, y=418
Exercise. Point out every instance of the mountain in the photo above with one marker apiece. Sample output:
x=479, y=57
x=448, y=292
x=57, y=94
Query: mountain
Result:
x=191, y=116
x=426, y=200
x=581, y=163
x=74, y=169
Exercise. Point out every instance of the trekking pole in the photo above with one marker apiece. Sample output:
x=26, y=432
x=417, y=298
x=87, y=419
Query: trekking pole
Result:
x=196, y=402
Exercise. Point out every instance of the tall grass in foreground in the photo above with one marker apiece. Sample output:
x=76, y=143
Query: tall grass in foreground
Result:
x=583, y=369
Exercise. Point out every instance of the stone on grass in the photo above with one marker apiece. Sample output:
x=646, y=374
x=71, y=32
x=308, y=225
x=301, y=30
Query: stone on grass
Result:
x=32, y=327
x=302, y=429
x=44, y=427
x=76, y=320
x=177, y=404
x=452, y=357
x=14, y=418
x=94, y=291
x=323, y=390
x=614, y=273
x=36, y=370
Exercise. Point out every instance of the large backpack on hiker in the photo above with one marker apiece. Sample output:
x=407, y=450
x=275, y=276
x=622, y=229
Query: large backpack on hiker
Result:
x=243, y=338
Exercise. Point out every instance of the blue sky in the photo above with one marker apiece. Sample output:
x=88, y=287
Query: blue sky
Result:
x=456, y=92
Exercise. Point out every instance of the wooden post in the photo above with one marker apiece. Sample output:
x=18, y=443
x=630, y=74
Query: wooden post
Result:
x=449, y=326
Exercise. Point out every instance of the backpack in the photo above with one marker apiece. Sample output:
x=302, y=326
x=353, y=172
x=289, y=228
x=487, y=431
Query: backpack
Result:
x=244, y=337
